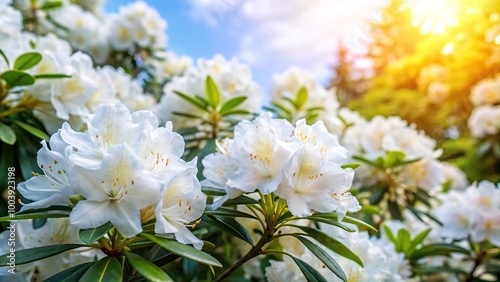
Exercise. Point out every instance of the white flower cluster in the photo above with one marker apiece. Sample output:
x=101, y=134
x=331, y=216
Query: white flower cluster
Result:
x=379, y=136
x=136, y=24
x=485, y=118
x=232, y=78
x=287, y=84
x=125, y=170
x=70, y=99
x=165, y=65
x=54, y=232
x=301, y=165
x=380, y=260
x=473, y=212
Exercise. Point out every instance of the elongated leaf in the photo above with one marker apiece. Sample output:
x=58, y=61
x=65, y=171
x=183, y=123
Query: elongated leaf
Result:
x=186, y=115
x=33, y=254
x=146, y=268
x=33, y=130
x=333, y=222
x=27, y=61
x=404, y=240
x=241, y=200
x=91, y=235
x=353, y=166
x=324, y=257
x=231, y=104
x=236, y=112
x=438, y=270
x=4, y=57
x=34, y=215
x=52, y=4
x=212, y=191
x=227, y=213
x=183, y=250
x=17, y=78
x=51, y=76
x=366, y=161
x=72, y=274
x=394, y=158
x=7, y=135
x=347, y=219
x=230, y=226
x=38, y=223
x=311, y=274
x=439, y=249
x=51, y=208
x=390, y=235
x=213, y=95
x=329, y=242
x=108, y=269
x=191, y=100
x=301, y=97
x=417, y=240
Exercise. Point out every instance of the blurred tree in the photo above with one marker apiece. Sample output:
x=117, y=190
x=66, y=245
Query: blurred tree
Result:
x=425, y=65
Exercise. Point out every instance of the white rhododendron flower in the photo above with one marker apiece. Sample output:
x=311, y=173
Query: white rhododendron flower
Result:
x=54, y=232
x=125, y=170
x=287, y=84
x=136, y=24
x=52, y=187
x=115, y=193
x=474, y=211
x=484, y=121
x=486, y=92
x=166, y=65
x=232, y=78
x=302, y=165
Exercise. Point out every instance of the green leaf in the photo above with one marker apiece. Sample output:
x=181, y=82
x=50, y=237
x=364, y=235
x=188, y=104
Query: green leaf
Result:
x=333, y=222
x=183, y=250
x=439, y=249
x=108, y=269
x=191, y=100
x=52, y=4
x=213, y=95
x=27, y=61
x=212, y=191
x=390, y=235
x=72, y=274
x=311, y=274
x=231, y=104
x=38, y=223
x=7, y=135
x=404, y=240
x=236, y=112
x=366, y=161
x=324, y=257
x=301, y=97
x=353, y=166
x=17, y=78
x=51, y=76
x=329, y=242
x=51, y=208
x=437, y=270
x=91, y=235
x=394, y=158
x=146, y=268
x=347, y=219
x=4, y=57
x=33, y=130
x=227, y=213
x=241, y=200
x=33, y=254
x=417, y=240
x=230, y=226
x=34, y=215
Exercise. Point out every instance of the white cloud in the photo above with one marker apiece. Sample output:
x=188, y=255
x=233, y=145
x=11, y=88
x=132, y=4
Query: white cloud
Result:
x=303, y=32
x=210, y=11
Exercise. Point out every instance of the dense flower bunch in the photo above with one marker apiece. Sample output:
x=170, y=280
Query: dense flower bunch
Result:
x=296, y=94
x=301, y=165
x=125, y=170
x=485, y=118
x=233, y=80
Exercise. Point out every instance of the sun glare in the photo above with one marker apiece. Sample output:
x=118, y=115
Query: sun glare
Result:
x=434, y=16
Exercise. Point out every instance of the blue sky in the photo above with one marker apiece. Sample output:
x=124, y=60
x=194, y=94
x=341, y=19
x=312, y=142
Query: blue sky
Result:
x=269, y=35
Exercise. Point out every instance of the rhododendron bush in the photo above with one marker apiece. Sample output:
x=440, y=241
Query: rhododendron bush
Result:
x=136, y=164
